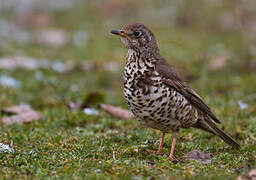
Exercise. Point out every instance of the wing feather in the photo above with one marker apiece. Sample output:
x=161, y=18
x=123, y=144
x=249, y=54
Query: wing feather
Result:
x=173, y=79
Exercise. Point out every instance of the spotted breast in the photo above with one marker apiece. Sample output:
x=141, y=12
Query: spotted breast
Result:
x=153, y=103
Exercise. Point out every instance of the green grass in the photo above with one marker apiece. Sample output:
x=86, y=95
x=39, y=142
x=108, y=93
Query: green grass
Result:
x=70, y=144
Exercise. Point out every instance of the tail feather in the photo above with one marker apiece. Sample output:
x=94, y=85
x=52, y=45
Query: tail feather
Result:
x=207, y=125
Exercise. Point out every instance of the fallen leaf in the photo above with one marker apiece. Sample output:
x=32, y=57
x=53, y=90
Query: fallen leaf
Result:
x=22, y=115
x=219, y=62
x=198, y=156
x=22, y=118
x=250, y=176
x=16, y=109
x=242, y=178
x=117, y=111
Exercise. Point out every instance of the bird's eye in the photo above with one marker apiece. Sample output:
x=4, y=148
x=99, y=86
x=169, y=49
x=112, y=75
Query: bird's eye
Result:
x=137, y=33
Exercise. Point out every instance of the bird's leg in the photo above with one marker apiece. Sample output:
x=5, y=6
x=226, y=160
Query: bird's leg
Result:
x=159, y=151
x=173, y=145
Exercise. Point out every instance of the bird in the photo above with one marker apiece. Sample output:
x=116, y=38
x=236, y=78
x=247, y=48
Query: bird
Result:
x=156, y=93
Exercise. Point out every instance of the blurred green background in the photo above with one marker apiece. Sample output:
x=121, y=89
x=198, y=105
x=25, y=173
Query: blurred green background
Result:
x=53, y=52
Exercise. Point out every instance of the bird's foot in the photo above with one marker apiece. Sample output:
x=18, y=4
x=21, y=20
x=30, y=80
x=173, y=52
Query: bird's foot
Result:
x=159, y=153
x=170, y=158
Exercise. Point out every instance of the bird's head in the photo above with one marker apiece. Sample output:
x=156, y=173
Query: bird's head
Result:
x=137, y=37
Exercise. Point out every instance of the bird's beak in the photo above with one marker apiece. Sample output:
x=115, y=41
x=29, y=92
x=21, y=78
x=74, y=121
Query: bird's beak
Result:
x=119, y=32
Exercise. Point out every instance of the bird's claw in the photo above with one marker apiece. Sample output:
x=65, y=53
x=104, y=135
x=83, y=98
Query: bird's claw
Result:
x=159, y=153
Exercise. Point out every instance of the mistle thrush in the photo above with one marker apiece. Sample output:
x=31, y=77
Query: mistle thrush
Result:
x=155, y=92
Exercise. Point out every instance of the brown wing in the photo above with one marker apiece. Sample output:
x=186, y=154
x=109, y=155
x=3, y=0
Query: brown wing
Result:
x=174, y=80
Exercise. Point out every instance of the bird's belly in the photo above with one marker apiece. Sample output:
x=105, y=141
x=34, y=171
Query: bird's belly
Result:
x=158, y=109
